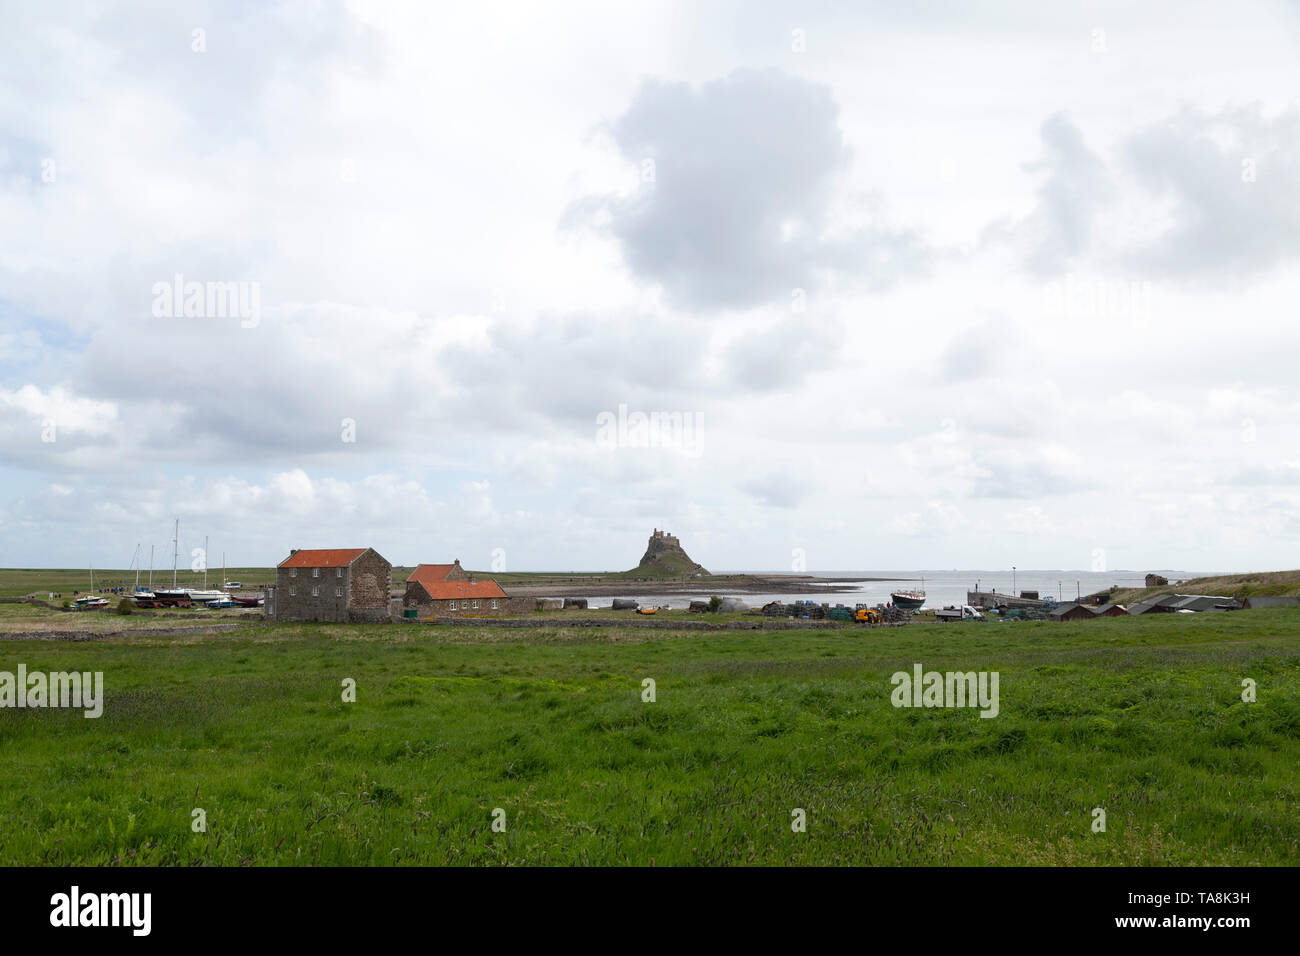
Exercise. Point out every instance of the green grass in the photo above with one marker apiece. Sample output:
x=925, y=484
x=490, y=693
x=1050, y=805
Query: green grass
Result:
x=1140, y=716
x=1240, y=585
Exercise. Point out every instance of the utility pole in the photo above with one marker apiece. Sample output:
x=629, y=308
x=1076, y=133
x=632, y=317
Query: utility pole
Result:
x=1013, y=580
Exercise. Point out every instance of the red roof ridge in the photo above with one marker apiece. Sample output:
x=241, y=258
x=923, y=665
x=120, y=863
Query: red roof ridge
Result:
x=454, y=590
x=322, y=557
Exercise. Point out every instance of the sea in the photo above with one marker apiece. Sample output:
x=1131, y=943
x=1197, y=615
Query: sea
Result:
x=942, y=588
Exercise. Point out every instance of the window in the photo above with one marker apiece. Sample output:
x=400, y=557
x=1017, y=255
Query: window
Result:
x=315, y=592
x=338, y=592
x=453, y=605
x=293, y=572
x=494, y=604
x=293, y=592
x=315, y=572
x=476, y=605
x=338, y=572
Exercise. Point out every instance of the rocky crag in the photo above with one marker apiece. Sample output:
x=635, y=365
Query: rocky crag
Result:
x=665, y=557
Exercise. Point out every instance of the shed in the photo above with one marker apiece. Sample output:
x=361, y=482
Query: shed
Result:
x=1150, y=607
x=1112, y=610
x=1205, y=602
x=1258, y=602
x=1072, y=612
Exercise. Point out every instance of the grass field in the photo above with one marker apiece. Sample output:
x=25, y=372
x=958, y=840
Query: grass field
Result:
x=35, y=620
x=1142, y=717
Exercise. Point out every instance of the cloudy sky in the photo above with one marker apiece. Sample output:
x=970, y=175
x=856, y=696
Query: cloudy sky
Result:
x=938, y=285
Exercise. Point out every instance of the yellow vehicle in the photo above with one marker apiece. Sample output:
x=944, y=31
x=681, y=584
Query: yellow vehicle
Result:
x=866, y=615
x=646, y=610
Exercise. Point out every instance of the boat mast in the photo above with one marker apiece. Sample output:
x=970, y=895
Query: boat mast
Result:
x=92, y=579
x=150, y=567
x=136, y=562
x=176, y=551
x=205, y=562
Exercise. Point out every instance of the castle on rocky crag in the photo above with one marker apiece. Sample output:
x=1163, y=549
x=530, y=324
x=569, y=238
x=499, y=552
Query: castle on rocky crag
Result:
x=665, y=554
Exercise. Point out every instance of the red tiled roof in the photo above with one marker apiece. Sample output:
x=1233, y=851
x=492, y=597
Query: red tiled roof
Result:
x=323, y=558
x=455, y=590
x=431, y=573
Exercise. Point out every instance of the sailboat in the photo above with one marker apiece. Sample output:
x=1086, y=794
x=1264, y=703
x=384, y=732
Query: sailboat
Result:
x=173, y=594
x=90, y=600
x=142, y=594
x=203, y=595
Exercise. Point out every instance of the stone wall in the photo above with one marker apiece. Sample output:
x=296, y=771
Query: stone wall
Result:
x=295, y=600
x=441, y=608
x=369, y=579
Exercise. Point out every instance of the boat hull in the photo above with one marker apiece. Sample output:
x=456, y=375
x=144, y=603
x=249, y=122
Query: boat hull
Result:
x=909, y=602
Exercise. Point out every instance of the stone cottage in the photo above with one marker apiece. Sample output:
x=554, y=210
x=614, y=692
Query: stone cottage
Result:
x=336, y=584
x=447, y=590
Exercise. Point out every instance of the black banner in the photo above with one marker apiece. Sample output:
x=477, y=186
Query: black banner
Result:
x=1225, y=906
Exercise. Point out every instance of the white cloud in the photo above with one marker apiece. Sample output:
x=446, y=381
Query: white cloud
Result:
x=397, y=180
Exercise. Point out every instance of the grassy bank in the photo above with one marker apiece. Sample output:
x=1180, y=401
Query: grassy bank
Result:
x=1141, y=716
x=1240, y=586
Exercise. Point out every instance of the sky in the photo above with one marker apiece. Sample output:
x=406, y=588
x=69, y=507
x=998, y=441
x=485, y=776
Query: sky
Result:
x=811, y=285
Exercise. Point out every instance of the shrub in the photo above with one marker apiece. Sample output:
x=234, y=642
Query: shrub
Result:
x=125, y=606
x=715, y=602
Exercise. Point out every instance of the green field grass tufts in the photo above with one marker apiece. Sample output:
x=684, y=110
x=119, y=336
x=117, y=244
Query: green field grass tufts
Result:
x=1142, y=717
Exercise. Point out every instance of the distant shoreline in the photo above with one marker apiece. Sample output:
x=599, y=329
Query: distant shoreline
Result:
x=584, y=586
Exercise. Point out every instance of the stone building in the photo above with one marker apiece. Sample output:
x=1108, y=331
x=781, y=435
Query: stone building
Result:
x=337, y=584
x=448, y=590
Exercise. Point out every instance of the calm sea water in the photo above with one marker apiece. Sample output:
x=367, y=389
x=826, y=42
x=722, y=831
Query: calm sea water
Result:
x=942, y=588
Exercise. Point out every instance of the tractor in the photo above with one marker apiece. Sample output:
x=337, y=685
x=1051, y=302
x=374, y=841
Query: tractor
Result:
x=866, y=615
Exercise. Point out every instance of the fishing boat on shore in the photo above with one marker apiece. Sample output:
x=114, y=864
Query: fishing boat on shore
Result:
x=909, y=599
x=255, y=600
